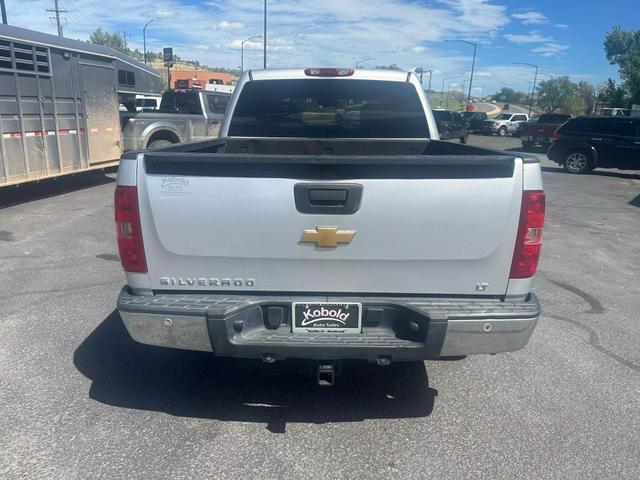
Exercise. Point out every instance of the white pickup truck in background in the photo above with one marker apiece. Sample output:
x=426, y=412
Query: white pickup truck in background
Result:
x=306, y=232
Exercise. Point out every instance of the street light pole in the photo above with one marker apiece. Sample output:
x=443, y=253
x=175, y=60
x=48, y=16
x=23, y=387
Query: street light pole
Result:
x=144, y=39
x=264, y=34
x=473, y=63
x=442, y=91
x=449, y=91
x=462, y=90
x=535, y=79
x=481, y=88
x=421, y=71
x=362, y=61
x=242, y=51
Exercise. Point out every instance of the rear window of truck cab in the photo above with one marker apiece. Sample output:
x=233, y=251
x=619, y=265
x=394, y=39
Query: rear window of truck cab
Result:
x=329, y=108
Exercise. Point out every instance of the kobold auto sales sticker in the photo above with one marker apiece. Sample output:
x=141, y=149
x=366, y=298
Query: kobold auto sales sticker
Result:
x=325, y=317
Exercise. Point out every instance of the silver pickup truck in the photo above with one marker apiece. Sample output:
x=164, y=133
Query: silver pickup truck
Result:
x=504, y=124
x=301, y=233
x=184, y=115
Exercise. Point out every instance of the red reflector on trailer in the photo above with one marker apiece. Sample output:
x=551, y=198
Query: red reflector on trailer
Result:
x=328, y=72
x=129, y=230
x=529, y=239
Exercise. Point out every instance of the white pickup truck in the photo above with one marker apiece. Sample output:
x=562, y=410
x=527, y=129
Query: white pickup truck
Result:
x=304, y=232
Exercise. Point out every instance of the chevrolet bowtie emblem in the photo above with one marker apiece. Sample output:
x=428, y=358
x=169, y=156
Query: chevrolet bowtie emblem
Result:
x=327, y=236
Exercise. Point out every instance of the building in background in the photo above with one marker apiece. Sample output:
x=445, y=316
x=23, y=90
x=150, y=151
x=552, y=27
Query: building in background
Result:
x=199, y=78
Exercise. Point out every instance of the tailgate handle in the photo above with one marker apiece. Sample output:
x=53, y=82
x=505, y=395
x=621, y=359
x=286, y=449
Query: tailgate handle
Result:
x=324, y=196
x=328, y=198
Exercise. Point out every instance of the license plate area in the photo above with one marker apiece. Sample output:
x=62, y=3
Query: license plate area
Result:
x=326, y=317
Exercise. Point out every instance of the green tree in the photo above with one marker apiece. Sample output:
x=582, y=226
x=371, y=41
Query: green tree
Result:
x=623, y=49
x=509, y=95
x=113, y=40
x=393, y=66
x=560, y=94
x=612, y=94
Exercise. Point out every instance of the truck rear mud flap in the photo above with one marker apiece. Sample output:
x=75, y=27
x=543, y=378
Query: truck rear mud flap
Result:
x=393, y=329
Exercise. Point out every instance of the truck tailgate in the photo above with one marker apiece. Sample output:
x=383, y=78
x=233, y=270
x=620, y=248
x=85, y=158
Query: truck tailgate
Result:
x=423, y=226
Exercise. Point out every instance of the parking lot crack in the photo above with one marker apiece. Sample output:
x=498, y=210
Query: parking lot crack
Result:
x=594, y=303
x=594, y=341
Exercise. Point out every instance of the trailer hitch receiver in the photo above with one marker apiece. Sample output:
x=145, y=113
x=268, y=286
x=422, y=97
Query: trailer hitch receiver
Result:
x=327, y=372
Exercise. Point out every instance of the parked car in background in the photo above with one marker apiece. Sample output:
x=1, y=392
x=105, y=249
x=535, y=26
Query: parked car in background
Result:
x=539, y=131
x=451, y=125
x=504, y=124
x=475, y=120
x=183, y=115
x=506, y=106
x=584, y=143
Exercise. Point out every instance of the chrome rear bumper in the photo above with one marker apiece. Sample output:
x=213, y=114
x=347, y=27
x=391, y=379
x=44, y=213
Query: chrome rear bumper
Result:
x=240, y=326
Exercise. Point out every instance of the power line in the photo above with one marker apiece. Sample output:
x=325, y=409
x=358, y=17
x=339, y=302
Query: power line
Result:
x=57, y=12
x=78, y=17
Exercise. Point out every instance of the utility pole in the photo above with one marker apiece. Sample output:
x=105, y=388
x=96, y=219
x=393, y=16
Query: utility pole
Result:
x=4, y=12
x=264, y=34
x=124, y=37
x=57, y=13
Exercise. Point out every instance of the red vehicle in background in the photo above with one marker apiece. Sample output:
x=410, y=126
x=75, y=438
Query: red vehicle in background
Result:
x=539, y=131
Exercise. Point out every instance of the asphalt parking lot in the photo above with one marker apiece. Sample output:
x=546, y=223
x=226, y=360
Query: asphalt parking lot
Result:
x=79, y=399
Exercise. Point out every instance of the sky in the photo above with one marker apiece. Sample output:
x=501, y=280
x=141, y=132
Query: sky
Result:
x=562, y=37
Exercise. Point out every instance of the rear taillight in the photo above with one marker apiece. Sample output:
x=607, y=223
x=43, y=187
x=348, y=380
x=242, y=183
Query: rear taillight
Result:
x=529, y=239
x=128, y=230
x=328, y=72
x=556, y=135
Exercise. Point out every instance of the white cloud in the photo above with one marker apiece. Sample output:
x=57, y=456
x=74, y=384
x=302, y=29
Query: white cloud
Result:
x=561, y=25
x=532, y=37
x=300, y=32
x=224, y=25
x=236, y=44
x=531, y=17
x=550, y=49
x=275, y=45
